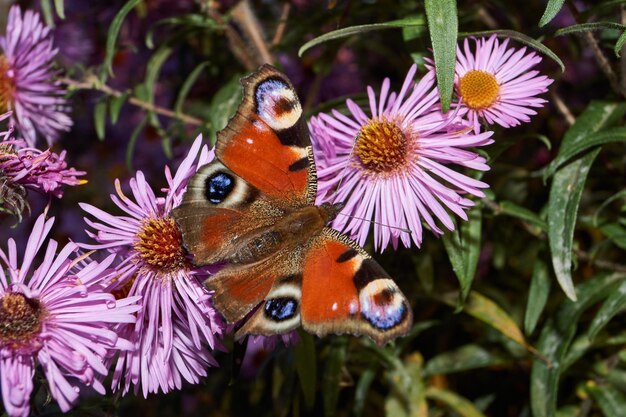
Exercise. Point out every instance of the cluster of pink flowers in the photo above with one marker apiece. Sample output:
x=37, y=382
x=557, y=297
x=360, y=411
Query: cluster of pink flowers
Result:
x=141, y=313
x=392, y=166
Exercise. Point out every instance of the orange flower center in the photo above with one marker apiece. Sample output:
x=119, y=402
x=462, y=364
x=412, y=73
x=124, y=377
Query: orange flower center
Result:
x=160, y=244
x=20, y=318
x=479, y=89
x=7, y=85
x=381, y=146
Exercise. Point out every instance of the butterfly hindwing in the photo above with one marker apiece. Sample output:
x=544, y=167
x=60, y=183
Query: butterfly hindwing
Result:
x=345, y=291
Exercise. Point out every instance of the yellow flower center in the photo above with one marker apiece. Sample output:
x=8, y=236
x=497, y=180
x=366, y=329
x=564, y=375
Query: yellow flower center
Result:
x=160, y=244
x=20, y=318
x=7, y=85
x=479, y=89
x=381, y=146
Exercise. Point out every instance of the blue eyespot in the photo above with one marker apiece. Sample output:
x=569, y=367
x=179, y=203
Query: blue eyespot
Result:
x=279, y=309
x=218, y=187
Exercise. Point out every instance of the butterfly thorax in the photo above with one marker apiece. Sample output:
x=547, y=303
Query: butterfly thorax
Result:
x=291, y=231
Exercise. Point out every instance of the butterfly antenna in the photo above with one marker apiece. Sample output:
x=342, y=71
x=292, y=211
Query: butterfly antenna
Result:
x=375, y=222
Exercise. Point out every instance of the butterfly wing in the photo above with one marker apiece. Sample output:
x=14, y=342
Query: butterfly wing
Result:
x=267, y=141
x=340, y=290
x=263, y=169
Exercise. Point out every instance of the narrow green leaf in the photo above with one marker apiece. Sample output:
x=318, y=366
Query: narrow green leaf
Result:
x=552, y=8
x=520, y=37
x=443, y=26
x=460, y=405
x=112, y=34
x=357, y=30
x=487, y=311
x=614, y=304
x=463, y=248
x=186, y=87
x=583, y=143
x=537, y=295
x=408, y=394
x=187, y=21
x=611, y=401
x=332, y=375
x=132, y=141
x=595, y=219
x=115, y=105
x=306, y=367
x=565, y=194
x=59, y=5
x=223, y=105
x=587, y=27
x=412, y=36
x=619, y=44
x=362, y=389
x=153, y=68
x=46, y=10
x=616, y=234
x=462, y=359
x=567, y=186
x=514, y=210
x=555, y=341
x=99, y=118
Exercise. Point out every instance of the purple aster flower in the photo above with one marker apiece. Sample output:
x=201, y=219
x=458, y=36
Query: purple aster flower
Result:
x=496, y=84
x=177, y=325
x=392, y=165
x=55, y=315
x=26, y=78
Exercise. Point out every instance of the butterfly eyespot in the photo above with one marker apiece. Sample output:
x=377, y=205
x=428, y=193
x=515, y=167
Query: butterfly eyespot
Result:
x=280, y=309
x=218, y=187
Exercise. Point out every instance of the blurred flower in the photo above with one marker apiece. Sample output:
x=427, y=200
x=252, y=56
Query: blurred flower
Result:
x=496, y=83
x=177, y=324
x=22, y=167
x=391, y=165
x=26, y=84
x=55, y=315
x=258, y=348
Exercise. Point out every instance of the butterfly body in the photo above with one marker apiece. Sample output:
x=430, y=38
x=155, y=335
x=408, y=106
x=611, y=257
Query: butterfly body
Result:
x=252, y=210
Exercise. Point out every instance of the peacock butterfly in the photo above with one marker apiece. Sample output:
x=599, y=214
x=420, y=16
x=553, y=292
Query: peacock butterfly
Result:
x=252, y=209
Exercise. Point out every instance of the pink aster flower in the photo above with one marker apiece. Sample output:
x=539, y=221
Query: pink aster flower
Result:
x=26, y=78
x=496, y=84
x=392, y=165
x=177, y=326
x=57, y=316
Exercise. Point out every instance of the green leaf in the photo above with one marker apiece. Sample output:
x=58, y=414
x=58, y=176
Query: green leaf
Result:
x=489, y=312
x=332, y=374
x=598, y=116
x=412, y=36
x=514, y=210
x=595, y=219
x=357, y=30
x=537, y=294
x=619, y=44
x=552, y=8
x=115, y=105
x=520, y=37
x=443, y=26
x=616, y=234
x=132, y=141
x=112, y=34
x=567, y=186
x=361, y=390
x=223, y=105
x=186, y=87
x=462, y=359
x=460, y=405
x=611, y=401
x=153, y=68
x=306, y=367
x=99, y=118
x=408, y=396
x=614, y=304
x=46, y=9
x=555, y=342
x=565, y=194
x=59, y=5
x=187, y=21
x=587, y=27
x=582, y=143
x=463, y=248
